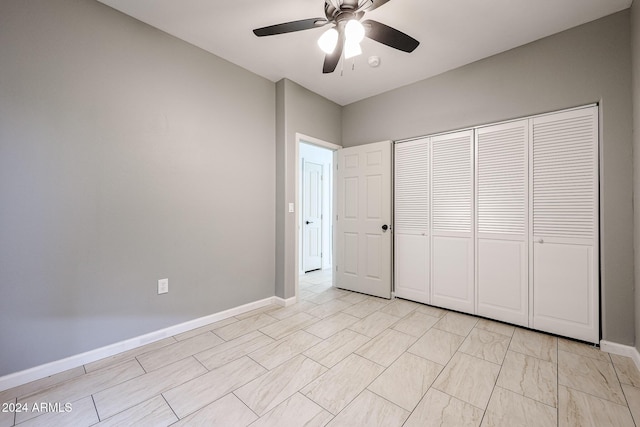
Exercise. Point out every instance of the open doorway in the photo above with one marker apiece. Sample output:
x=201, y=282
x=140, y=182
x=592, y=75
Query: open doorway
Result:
x=315, y=214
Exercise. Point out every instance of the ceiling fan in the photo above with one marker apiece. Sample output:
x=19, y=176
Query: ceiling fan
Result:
x=346, y=30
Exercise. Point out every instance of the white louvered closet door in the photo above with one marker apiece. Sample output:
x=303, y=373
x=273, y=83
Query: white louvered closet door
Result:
x=411, y=220
x=564, y=186
x=452, y=269
x=502, y=222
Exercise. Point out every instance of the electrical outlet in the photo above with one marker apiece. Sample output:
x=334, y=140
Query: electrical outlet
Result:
x=163, y=286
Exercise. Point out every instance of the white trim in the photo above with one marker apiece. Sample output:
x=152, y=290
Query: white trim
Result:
x=55, y=367
x=621, y=350
x=285, y=302
x=315, y=141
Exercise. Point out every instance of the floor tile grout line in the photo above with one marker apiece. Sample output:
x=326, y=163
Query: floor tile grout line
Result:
x=95, y=408
x=160, y=393
x=591, y=394
x=170, y=407
x=484, y=414
x=557, y=383
x=535, y=357
x=247, y=406
x=597, y=397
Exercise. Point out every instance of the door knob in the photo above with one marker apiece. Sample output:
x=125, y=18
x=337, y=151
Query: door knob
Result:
x=385, y=227
x=308, y=222
x=540, y=240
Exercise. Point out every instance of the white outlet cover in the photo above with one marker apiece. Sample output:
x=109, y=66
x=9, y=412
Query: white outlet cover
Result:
x=163, y=286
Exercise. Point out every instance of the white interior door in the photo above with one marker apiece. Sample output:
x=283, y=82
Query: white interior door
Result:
x=564, y=237
x=311, y=216
x=452, y=268
x=502, y=222
x=363, y=220
x=411, y=220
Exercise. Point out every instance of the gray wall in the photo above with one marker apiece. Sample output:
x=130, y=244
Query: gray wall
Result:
x=586, y=64
x=298, y=111
x=126, y=156
x=635, y=56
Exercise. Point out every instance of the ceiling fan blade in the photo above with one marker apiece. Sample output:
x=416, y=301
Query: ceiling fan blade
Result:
x=332, y=59
x=374, y=4
x=289, y=27
x=389, y=36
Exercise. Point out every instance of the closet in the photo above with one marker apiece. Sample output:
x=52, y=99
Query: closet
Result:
x=502, y=221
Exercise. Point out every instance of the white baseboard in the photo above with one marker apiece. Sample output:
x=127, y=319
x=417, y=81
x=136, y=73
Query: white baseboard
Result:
x=284, y=302
x=621, y=350
x=48, y=369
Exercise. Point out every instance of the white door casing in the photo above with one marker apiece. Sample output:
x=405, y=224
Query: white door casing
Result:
x=502, y=275
x=452, y=243
x=411, y=220
x=564, y=242
x=363, y=246
x=311, y=216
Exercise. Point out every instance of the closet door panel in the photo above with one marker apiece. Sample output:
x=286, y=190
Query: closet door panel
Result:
x=412, y=272
x=453, y=272
x=564, y=238
x=502, y=222
x=562, y=283
x=452, y=261
x=503, y=280
x=411, y=220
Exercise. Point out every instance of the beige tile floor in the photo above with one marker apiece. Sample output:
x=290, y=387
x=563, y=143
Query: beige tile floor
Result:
x=339, y=358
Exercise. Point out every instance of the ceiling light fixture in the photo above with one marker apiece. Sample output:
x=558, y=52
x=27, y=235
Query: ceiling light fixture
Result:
x=354, y=33
x=328, y=41
x=351, y=49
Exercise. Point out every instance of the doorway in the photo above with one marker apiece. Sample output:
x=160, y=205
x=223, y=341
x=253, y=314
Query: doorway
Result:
x=315, y=198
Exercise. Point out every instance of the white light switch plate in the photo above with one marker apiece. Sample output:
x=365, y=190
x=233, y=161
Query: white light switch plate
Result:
x=290, y=207
x=163, y=286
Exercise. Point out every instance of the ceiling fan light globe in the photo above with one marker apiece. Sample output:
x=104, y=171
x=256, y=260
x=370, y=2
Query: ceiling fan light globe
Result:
x=328, y=41
x=351, y=49
x=354, y=31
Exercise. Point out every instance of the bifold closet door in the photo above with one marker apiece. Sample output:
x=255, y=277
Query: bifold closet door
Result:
x=411, y=220
x=502, y=222
x=564, y=240
x=452, y=270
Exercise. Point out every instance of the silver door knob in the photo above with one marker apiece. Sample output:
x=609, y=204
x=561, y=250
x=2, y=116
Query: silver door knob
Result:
x=540, y=240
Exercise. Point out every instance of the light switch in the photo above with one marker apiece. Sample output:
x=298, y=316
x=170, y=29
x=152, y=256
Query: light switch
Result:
x=290, y=207
x=163, y=286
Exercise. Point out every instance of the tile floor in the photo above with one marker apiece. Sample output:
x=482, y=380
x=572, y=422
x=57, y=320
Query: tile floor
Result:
x=344, y=359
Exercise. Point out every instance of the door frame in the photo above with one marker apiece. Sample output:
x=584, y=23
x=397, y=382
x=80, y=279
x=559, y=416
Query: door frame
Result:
x=302, y=138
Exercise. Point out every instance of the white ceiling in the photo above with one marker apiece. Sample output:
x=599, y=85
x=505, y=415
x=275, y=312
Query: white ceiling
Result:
x=452, y=33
